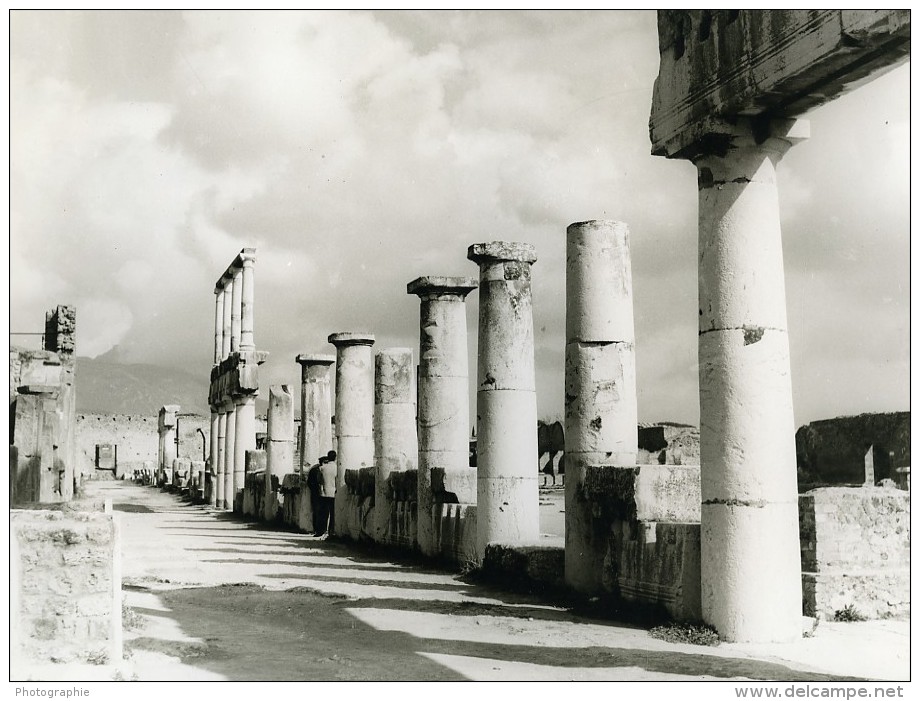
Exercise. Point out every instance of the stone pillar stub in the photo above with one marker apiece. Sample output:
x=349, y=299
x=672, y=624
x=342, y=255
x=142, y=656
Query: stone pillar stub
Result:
x=315, y=408
x=751, y=569
x=280, y=443
x=247, y=302
x=354, y=401
x=600, y=381
x=443, y=387
x=395, y=433
x=506, y=402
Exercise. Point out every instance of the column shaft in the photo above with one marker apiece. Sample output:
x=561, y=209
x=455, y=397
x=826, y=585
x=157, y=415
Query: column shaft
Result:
x=217, y=469
x=236, y=311
x=506, y=400
x=229, y=456
x=315, y=408
x=395, y=433
x=244, y=438
x=280, y=444
x=354, y=402
x=601, y=414
x=751, y=570
x=214, y=455
x=247, y=309
x=443, y=388
x=218, y=325
x=228, y=322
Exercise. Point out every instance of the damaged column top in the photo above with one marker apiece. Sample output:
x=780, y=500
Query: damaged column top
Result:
x=717, y=65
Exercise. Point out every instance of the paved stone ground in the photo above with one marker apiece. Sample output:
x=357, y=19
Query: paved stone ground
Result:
x=214, y=597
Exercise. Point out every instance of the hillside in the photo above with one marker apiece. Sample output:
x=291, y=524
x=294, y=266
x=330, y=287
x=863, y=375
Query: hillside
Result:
x=107, y=387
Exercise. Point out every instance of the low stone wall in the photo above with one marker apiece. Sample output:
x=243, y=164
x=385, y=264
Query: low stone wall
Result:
x=641, y=526
x=66, y=585
x=855, y=551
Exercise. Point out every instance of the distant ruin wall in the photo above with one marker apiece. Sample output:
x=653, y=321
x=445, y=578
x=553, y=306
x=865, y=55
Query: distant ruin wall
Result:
x=855, y=551
x=136, y=439
x=832, y=452
x=66, y=585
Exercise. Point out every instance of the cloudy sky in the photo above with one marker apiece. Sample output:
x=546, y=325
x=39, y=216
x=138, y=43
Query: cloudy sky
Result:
x=357, y=151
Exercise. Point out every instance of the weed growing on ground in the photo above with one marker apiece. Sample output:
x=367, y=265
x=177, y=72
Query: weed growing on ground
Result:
x=686, y=633
x=848, y=614
x=130, y=619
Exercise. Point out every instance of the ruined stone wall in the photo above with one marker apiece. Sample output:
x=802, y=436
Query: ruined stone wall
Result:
x=832, y=452
x=855, y=545
x=135, y=435
x=66, y=585
x=645, y=530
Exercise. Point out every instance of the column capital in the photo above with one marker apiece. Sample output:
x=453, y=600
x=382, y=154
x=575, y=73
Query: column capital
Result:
x=495, y=251
x=351, y=338
x=436, y=286
x=307, y=359
x=724, y=137
x=221, y=284
x=247, y=257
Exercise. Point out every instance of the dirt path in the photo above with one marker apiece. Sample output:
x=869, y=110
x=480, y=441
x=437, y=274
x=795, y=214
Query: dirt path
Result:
x=213, y=597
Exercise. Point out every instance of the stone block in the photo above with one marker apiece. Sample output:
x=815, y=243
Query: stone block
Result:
x=404, y=485
x=718, y=64
x=533, y=566
x=664, y=493
x=455, y=532
x=453, y=486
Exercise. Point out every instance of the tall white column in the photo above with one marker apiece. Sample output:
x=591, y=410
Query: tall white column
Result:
x=315, y=408
x=236, y=310
x=751, y=571
x=218, y=325
x=443, y=387
x=601, y=414
x=354, y=402
x=215, y=455
x=247, y=308
x=218, y=470
x=229, y=455
x=228, y=321
x=244, y=438
x=395, y=434
x=506, y=400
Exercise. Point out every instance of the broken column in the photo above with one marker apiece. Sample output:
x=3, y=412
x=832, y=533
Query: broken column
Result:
x=315, y=408
x=395, y=434
x=751, y=570
x=354, y=402
x=279, y=446
x=506, y=400
x=443, y=388
x=600, y=380
x=167, y=430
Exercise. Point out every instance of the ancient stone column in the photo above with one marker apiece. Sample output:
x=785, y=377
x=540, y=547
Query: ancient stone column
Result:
x=354, y=401
x=280, y=443
x=601, y=416
x=217, y=469
x=506, y=400
x=228, y=321
x=244, y=437
x=751, y=571
x=218, y=325
x=236, y=310
x=443, y=387
x=215, y=455
x=247, y=308
x=395, y=433
x=229, y=455
x=167, y=428
x=315, y=408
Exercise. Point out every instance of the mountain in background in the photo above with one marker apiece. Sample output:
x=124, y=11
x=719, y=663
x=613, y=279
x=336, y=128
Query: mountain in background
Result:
x=105, y=386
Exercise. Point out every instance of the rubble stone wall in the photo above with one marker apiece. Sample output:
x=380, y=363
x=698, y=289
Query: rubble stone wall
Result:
x=67, y=585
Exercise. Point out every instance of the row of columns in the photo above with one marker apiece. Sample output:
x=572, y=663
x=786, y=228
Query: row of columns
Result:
x=233, y=413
